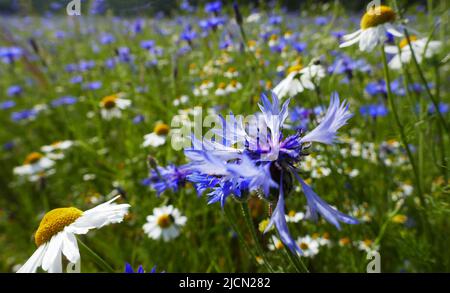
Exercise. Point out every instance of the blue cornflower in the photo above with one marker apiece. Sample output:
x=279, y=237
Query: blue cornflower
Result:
x=321, y=20
x=76, y=79
x=148, y=44
x=106, y=39
x=379, y=88
x=373, y=110
x=66, y=100
x=170, y=177
x=243, y=160
x=98, y=7
x=188, y=34
x=7, y=105
x=213, y=7
x=24, y=115
x=124, y=54
x=10, y=54
x=14, y=90
x=138, y=119
x=129, y=269
x=95, y=85
x=275, y=20
x=442, y=107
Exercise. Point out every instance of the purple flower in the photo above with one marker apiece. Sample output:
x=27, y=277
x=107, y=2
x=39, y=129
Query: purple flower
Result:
x=7, y=105
x=66, y=100
x=14, y=90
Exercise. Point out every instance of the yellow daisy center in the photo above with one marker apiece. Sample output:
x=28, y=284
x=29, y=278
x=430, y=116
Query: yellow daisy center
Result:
x=279, y=245
x=368, y=242
x=295, y=68
x=304, y=246
x=233, y=83
x=405, y=41
x=326, y=235
x=32, y=158
x=291, y=213
x=161, y=129
x=222, y=85
x=54, y=222
x=109, y=102
x=274, y=38
x=56, y=143
x=344, y=241
x=376, y=16
x=165, y=221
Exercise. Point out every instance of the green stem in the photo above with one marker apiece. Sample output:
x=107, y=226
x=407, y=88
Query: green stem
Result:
x=230, y=219
x=251, y=227
x=425, y=84
x=400, y=127
x=100, y=261
x=298, y=264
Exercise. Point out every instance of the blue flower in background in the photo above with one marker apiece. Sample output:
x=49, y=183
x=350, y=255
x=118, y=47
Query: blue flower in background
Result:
x=14, y=90
x=10, y=54
x=379, y=88
x=213, y=7
x=373, y=110
x=7, y=105
x=66, y=100
x=24, y=115
x=129, y=269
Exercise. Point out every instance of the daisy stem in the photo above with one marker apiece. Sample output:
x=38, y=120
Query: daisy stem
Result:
x=425, y=84
x=251, y=227
x=100, y=261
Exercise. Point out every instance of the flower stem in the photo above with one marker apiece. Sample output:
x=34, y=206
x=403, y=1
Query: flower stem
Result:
x=425, y=84
x=251, y=227
x=100, y=261
x=401, y=128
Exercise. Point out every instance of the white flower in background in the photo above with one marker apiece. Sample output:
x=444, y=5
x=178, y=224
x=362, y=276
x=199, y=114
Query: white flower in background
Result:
x=420, y=48
x=165, y=223
x=158, y=137
x=308, y=245
x=299, y=79
x=276, y=244
x=34, y=164
x=367, y=245
x=294, y=217
x=55, y=150
x=203, y=89
x=233, y=86
x=231, y=73
x=181, y=101
x=112, y=106
x=221, y=89
x=375, y=24
x=254, y=17
x=56, y=234
x=322, y=240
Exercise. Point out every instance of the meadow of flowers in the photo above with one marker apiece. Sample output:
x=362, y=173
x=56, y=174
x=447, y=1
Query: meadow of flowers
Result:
x=228, y=137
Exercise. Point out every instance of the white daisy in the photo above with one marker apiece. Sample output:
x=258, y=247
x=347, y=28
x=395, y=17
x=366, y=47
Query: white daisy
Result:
x=403, y=54
x=308, y=245
x=158, y=137
x=55, y=150
x=299, y=79
x=367, y=245
x=112, y=106
x=56, y=234
x=35, y=163
x=165, y=223
x=233, y=86
x=294, y=217
x=375, y=23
